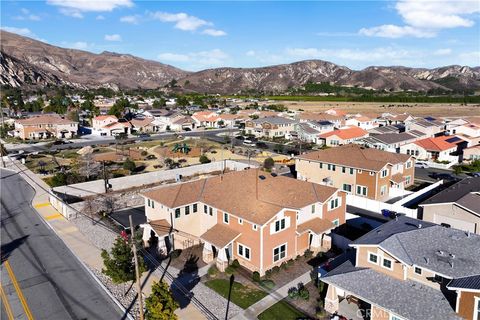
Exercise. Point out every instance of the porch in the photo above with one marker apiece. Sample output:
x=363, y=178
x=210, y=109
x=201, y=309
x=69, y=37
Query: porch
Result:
x=218, y=245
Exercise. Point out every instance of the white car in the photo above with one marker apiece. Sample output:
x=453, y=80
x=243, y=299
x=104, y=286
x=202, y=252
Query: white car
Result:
x=421, y=164
x=249, y=143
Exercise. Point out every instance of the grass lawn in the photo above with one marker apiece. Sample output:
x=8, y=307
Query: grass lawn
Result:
x=280, y=310
x=242, y=296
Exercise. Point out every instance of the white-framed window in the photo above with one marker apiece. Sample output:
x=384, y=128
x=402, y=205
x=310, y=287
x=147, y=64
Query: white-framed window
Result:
x=344, y=169
x=476, y=312
x=362, y=190
x=336, y=222
x=347, y=187
x=313, y=208
x=372, y=258
x=352, y=171
x=418, y=270
x=205, y=208
x=243, y=251
x=334, y=203
x=240, y=221
x=177, y=213
x=383, y=190
x=331, y=167
x=226, y=218
x=148, y=202
x=384, y=173
x=187, y=210
x=321, y=165
x=387, y=263
x=408, y=179
x=280, y=225
x=408, y=164
x=254, y=227
x=280, y=252
x=210, y=211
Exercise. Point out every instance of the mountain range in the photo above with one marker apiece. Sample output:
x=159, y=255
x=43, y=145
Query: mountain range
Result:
x=25, y=62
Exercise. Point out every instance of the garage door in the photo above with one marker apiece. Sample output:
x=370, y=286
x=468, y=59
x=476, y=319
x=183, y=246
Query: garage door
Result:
x=455, y=223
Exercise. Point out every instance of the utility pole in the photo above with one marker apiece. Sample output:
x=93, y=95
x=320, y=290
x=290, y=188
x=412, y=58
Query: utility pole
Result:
x=105, y=178
x=137, y=272
x=2, y=148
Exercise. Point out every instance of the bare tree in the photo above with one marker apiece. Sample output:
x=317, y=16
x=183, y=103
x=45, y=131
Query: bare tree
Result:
x=90, y=209
x=88, y=166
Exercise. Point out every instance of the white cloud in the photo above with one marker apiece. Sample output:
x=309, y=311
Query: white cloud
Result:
x=182, y=20
x=443, y=52
x=469, y=58
x=250, y=53
x=214, y=32
x=374, y=55
x=113, y=37
x=425, y=18
x=21, y=31
x=27, y=15
x=393, y=31
x=201, y=59
x=81, y=45
x=91, y=5
x=134, y=19
x=71, y=13
x=99, y=17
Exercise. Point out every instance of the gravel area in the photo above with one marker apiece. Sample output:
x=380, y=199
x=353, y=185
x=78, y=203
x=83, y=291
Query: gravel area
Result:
x=95, y=233
x=117, y=290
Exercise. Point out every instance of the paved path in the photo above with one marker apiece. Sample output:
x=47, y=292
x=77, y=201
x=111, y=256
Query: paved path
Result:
x=276, y=296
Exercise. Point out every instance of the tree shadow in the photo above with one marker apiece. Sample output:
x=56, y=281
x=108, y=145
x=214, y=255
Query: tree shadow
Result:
x=188, y=278
x=7, y=249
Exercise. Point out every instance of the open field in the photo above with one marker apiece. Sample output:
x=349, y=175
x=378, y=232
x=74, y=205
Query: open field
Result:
x=417, y=109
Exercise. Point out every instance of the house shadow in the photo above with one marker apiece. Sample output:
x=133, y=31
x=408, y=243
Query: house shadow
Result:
x=7, y=249
x=185, y=281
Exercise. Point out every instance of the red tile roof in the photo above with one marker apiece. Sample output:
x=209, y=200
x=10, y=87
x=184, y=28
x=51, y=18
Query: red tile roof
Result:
x=435, y=144
x=347, y=133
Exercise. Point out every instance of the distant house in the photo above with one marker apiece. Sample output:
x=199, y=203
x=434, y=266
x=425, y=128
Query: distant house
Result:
x=471, y=153
x=270, y=127
x=408, y=269
x=390, y=142
x=430, y=128
x=458, y=206
x=45, y=126
x=251, y=216
x=99, y=124
x=207, y=119
x=181, y=123
x=338, y=121
x=233, y=120
x=363, y=122
x=336, y=112
x=342, y=136
x=398, y=128
x=440, y=148
x=306, y=133
x=144, y=125
x=357, y=170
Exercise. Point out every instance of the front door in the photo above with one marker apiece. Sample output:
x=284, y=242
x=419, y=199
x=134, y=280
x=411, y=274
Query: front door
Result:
x=228, y=252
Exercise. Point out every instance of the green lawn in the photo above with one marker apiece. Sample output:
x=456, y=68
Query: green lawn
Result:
x=280, y=310
x=242, y=296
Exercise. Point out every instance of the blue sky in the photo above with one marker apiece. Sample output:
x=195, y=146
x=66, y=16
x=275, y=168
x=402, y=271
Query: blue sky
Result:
x=196, y=35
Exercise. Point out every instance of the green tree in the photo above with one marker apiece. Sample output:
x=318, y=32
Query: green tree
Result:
x=182, y=101
x=204, y=159
x=119, y=264
x=268, y=163
x=119, y=107
x=158, y=103
x=160, y=305
x=129, y=165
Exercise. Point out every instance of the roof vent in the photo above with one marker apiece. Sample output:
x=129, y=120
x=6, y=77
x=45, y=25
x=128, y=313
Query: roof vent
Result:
x=468, y=234
x=273, y=174
x=262, y=177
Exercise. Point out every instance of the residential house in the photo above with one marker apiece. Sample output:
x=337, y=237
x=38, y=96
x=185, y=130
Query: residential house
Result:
x=260, y=219
x=471, y=153
x=450, y=125
x=430, y=128
x=306, y=133
x=457, y=206
x=390, y=142
x=468, y=132
x=364, y=172
x=394, y=119
x=363, y=122
x=207, y=119
x=342, y=136
x=233, y=120
x=270, y=127
x=45, y=126
x=338, y=121
x=182, y=123
x=397, y=128
x=144, y=125
x=100, y=122
x=442, y=148
x=336, y=112
x=408, y=269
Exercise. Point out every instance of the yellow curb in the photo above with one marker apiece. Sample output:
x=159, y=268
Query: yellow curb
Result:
x=41, y=205
x=20, y=295
x=53, y=216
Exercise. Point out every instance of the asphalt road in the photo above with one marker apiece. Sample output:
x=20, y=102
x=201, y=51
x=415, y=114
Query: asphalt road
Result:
x=54, y=284
x=425, y=174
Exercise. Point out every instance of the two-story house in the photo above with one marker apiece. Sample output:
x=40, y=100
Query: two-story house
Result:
x=363, y=122
x=409, y=269
x=361, y=171
x=45, y=126
x=390, y=142
x=430, y=128
x=270, y=127
x=342, y=136
x=260, y=219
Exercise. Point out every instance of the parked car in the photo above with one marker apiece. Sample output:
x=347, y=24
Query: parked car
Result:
x=240, y=138
x=261, y=145
x=443, y=176
x=249, y=143
x=476, y=174
x=144, y=136
x=421, y=164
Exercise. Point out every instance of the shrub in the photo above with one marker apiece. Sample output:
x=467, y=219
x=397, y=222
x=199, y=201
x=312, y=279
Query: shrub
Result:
x=283, y=266
x=321, y=287
x=229, y=270
x=276, y=269
x=213, y=271
x=293, y=293
x=129, y=165
x=304, y=293
x=268, y=284
x=290, y=262
x=308, y=253
x=235, y=264
x=144, y=153
x=268, y=163
x=204, y=159
x=298, y=257
x=268, y=273
x=256, y=276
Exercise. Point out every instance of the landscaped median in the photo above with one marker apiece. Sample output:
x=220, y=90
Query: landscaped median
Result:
x=242, y=296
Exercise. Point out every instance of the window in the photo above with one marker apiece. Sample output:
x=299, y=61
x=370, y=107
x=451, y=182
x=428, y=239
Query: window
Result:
x=187, y=210
x=210, y=211
x=225, y=217
x=476, y=312
x=383, y=190
x=408, y=164
x=313, y=208
x=177, y=213
x=384, y=173
x=205, y=208
x=418, y=270
x=407, y=179
x=361, y=190
x=347, y=187
x=243, y=251
x=240, y=221
x=387, y=263
x=279, y=225
x=148, y=202
x=331, y=167
x=344, y=169
x=153, y=204
x=254, y=227
x=279, y=252
x=394, y=317
x=351, y=171
x=336, y=222
x=195, y=208
x=334, y=203
x=321, y=165
x=372, y=258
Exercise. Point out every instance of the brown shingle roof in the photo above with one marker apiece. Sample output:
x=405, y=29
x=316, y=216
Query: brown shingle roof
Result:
x=220, y=235
x=161, y=226
x=45, y=119
x=353, y=155
x=245, y=194
x=316, y=225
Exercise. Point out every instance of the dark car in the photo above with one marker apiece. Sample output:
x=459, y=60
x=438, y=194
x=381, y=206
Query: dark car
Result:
x=443, y=176
x=240, y=137
x=261, y=145
x=144, y=136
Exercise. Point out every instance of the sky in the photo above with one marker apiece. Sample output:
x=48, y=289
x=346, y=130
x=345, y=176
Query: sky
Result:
x=195, y=35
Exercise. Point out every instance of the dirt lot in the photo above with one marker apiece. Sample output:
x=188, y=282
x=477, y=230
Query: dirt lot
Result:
x=418, y=109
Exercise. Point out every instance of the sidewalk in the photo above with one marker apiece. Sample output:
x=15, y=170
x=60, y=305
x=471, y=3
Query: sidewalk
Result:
x=73, y=237
x=276, y=296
